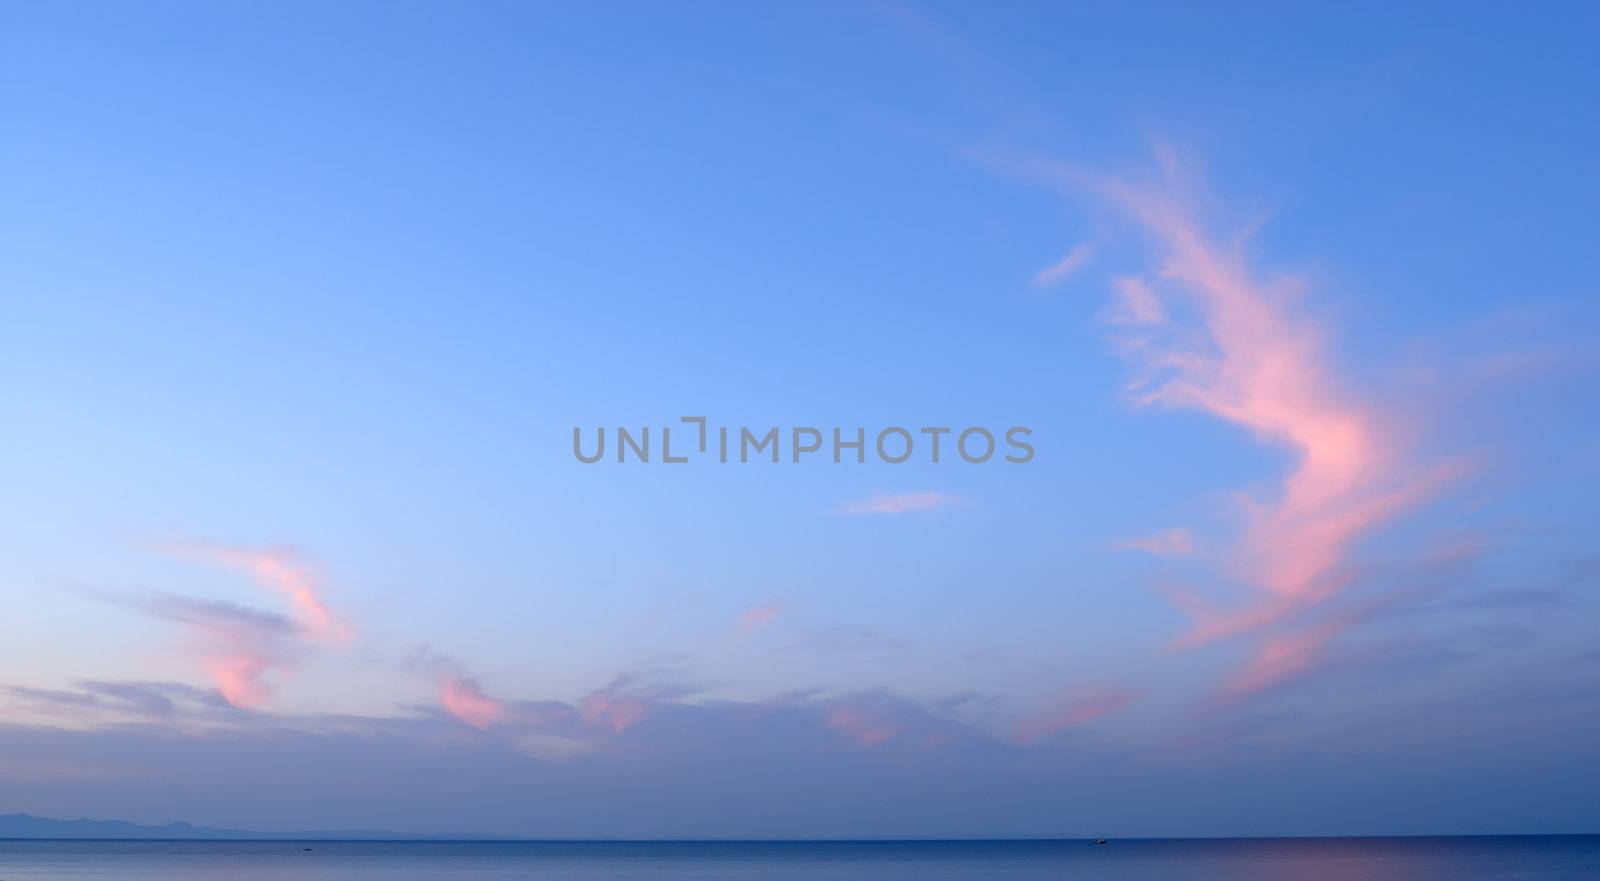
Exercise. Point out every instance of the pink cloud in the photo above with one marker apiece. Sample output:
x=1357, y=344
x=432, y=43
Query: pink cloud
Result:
x=1135, y=303
x=237, y=646
x=621, y=704
x=466, y=700
x=459, y=692
x=1064, y=268
x=1253, y=364
x=1075, y=711
x=898, y=503
x=243, y=646
x=240, y=677
x=279, y=569
x=1166, y=543
x=865, y=728
x=609, y=710
x=1278, y=659
x=761, y=616
x=1244, y=356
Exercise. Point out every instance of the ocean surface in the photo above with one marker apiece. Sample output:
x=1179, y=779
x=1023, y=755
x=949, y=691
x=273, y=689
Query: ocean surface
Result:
x=1331, y=859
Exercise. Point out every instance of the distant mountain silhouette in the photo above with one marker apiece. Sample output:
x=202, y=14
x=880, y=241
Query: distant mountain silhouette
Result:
x=29, y=826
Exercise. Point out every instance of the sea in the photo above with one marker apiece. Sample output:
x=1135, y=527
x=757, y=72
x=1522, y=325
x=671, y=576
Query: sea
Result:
x=1545, y=858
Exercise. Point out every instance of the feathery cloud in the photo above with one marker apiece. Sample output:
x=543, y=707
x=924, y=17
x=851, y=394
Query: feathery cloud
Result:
x=1076, y=710
x=898, y=503
x=1167, y=543
x=238, y=646
x=1207, y=331
x=459, y=692
x=1067, y=266
x=280, y=569
x=465, y=700
x=760, y=617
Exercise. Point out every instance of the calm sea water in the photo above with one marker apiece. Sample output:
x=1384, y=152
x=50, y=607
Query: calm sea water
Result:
x=1339, y=859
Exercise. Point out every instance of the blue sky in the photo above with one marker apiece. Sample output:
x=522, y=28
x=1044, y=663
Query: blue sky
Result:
x=301, y=305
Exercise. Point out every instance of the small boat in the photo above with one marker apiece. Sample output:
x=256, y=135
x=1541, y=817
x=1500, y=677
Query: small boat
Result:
x=1099, y=841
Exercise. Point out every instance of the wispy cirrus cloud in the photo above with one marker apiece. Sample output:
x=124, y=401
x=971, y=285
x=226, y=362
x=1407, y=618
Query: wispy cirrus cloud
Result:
x=466, y=700
x=1076, y=710
x=898, y=503
x=277, y=568
x=626, y=700
x=459, y=692
x=1075, y=259
x=1207, y=331
x=1133, y=303
x=210, y=614
x=117, y=702
x=1246, y=359
x=238, y=646
x=1177, y=541
x=761, y=617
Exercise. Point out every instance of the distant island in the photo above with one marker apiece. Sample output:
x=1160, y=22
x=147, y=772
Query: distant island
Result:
x=29, y=826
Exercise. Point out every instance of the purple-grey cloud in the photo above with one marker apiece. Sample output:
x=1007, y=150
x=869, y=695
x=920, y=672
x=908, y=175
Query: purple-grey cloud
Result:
x=809, y=765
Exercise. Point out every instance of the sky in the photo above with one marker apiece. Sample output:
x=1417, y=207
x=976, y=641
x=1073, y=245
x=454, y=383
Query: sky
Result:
x=301, y=305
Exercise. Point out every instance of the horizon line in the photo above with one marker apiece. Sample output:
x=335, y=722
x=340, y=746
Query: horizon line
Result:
x=426, y=838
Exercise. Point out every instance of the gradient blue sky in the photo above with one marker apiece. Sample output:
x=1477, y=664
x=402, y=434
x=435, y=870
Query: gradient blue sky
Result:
x=310, y=297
